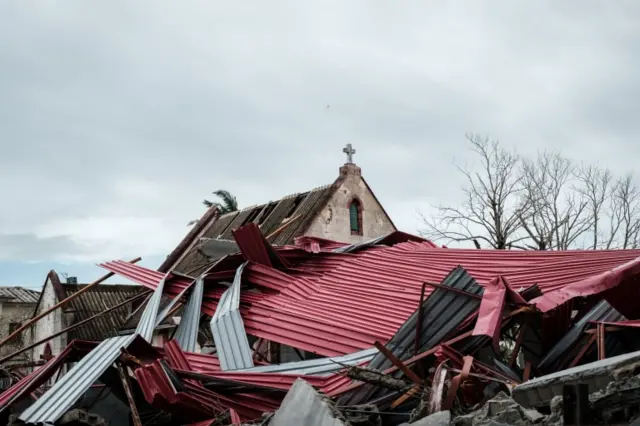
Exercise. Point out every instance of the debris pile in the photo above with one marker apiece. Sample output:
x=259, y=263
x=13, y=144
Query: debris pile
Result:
x=394, y=331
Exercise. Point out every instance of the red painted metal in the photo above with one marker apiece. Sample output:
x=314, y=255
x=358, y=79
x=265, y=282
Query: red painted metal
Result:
x=333, y=304
x=491, y=308
x=594, y=284
x=29, y=384
x=160, y=393
x=178, y=359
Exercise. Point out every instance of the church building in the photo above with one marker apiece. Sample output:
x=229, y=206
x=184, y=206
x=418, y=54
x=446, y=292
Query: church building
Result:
x=346, y=210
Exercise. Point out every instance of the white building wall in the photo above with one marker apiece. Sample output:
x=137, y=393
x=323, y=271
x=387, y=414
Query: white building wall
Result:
x=50, y=324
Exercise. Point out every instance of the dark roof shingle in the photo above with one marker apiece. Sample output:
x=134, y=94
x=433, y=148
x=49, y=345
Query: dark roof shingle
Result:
x=96, y=300
x=19, y=295
x=270, y=217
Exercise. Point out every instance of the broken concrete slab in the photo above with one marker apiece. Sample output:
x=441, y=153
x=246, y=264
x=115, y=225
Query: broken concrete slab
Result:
x=305, y=407
x=441, y=418
x=597, y=375
x=500, y=410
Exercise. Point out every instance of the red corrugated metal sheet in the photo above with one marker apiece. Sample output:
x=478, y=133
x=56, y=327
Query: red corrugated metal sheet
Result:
x=491, y=308
x=252, y=244
x=333, y=304
x=178, y=359
x=594, y=284
x=160, y=393
x=40, y=375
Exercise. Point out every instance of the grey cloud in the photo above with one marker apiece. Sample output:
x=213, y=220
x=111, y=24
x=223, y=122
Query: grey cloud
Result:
x=20, y=247
x=216, y=95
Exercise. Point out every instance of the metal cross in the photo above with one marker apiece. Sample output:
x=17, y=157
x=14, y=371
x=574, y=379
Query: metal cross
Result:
x=349, y=151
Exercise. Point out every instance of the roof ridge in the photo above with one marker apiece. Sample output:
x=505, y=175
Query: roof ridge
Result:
x=286, y=197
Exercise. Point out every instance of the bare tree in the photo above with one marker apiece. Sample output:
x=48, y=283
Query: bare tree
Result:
x=556, y=213
x=596, y=186
x=492, y=209
x=624, y=214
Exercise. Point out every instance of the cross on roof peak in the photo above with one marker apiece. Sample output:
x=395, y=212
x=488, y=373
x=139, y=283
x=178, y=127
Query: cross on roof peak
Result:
x=349, y=151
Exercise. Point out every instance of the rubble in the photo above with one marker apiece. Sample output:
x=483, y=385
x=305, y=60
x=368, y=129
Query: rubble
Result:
x=501, y=409
x=394, y=331
x=441, y=418
x=304, y=406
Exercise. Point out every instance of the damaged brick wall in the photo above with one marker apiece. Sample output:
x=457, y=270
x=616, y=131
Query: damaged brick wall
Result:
x=12, y=316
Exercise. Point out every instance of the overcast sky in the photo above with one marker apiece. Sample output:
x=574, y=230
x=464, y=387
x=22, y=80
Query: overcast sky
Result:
x=118, y=117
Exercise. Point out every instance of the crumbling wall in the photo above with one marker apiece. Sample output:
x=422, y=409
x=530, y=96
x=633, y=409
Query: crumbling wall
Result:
x=11, y=316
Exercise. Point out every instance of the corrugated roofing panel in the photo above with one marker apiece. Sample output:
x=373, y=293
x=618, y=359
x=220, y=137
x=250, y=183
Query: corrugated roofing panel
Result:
x=358, y=298
x=19, y=295
x=57, y=400
x=228, y=329
x=149, y=320
x=556, y=357
x=317, y=367
x=96, y=300
x=442, y=311
x=187, y=332
x=169, y=306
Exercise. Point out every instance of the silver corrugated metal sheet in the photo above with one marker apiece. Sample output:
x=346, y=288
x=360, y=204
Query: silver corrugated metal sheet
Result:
x=163, y=314
x=57, y=400
x=19, y=295
x=317, y=367
x=228, y=330
x=148, y=321
x=187, y=332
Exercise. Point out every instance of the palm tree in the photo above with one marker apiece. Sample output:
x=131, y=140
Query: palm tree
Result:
x=228, y=203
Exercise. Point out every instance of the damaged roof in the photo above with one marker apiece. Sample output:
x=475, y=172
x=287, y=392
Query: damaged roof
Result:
x=301, y=207
x=342, y=302
x=18, y=295
x=96, y=300
x=338, y=303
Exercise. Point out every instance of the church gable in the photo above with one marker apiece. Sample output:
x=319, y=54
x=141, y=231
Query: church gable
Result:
x=353, y=213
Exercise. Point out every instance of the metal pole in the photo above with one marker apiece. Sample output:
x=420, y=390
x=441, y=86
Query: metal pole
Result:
x=59, y=304
x=74, y=326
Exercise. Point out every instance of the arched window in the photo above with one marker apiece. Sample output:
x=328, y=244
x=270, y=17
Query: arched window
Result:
x=355, y=217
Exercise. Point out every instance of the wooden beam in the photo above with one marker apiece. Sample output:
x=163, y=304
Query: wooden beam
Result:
x=126, y=384
x=282, y=228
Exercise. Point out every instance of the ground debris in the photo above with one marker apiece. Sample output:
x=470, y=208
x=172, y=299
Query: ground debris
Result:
x=501, y=409
x=377, y=378
x=441, y=418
